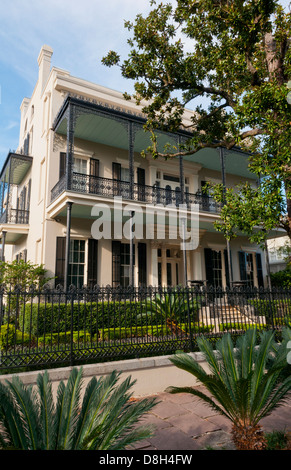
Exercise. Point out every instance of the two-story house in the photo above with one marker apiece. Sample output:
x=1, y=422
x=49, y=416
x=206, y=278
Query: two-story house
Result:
x=79, y=164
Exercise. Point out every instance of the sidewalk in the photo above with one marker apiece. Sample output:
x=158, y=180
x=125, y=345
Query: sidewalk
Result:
x=184, y=422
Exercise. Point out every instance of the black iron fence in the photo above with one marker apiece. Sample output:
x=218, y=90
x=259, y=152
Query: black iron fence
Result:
x=56, y=328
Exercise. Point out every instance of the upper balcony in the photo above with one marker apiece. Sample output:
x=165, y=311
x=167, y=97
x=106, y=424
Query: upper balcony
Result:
x=15, y=196
x=15, y=216
x=108, y=187
x=83, y=120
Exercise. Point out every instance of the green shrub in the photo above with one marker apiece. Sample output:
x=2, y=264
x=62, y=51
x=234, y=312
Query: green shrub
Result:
x=239, y=326
x=155, y=331
x=9, y=336
x=281, y=278
x=42, y=318
x=271, y=308
x=64, y=338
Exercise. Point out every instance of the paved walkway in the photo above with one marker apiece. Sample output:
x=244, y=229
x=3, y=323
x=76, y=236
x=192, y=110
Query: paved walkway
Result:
x=183, y=422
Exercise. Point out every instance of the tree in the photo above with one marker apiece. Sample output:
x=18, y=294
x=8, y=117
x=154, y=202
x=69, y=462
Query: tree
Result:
x=18, y=277
x=22, y=274
x=236, y=54
x=246, y=382
x=104, y=419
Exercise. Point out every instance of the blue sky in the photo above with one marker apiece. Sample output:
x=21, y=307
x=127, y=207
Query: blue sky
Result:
x=80, y=37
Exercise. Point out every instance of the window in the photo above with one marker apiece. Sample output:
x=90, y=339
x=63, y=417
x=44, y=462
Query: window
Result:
x=250, y=268
x=80, y=165
x=124, y=174
x=125, y=264
x=77, y=263
x=217, y=268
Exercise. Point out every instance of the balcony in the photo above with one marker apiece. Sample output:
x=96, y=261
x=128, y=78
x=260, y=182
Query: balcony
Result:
x=107, y=187
x=14, y=216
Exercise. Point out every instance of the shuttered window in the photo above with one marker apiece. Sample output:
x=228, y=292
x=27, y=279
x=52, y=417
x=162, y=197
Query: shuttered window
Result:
x=92, y=263
x=60, y=260
x=142, y=264
x=62, y=168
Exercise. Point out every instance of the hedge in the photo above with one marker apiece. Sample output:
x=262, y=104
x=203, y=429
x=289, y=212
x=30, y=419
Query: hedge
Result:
x=9, y=337
x=39, y=319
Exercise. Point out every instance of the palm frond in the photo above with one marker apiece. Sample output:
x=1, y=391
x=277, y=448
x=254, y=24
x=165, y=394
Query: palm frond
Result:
x=47, y=411
x=68, y=408
x=27, y=403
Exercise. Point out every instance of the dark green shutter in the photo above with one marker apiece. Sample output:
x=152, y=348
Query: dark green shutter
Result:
x=141, y=184
x=92, y=262
x=28, y=195
x=116, y=255
x=60, y=260
x=94, y=167
x=142, y=264
x=259, y=270
x=209, y=265
x=116, y=176
x=242, y=265
x=94, y=173
x=141, y=176
x=116, y=171
x=62, y=168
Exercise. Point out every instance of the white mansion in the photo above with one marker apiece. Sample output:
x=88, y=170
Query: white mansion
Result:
x=79, y=150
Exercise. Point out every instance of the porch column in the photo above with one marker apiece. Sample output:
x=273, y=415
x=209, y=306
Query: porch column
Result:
x=2, y=194
x=222, y=164
x=164, y=266
x=70, y=145
x=197, y=264
x=131, y=157
x=3, y=245
x=131, y=190
x=68, y=240
x=154, y=264
x=184, y=221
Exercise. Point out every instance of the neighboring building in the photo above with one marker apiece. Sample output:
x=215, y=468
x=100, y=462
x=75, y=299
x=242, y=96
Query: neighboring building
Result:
x=277, y=258
x=80, y=145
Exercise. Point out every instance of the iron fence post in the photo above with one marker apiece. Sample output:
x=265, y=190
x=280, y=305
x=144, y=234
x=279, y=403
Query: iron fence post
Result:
x=72, y=328
x=189, y=320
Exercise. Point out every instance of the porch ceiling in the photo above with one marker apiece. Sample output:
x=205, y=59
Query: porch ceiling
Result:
x=108, y=131
x=236, y=162
x=13, y=235
x=15, y=168
x=110, y=128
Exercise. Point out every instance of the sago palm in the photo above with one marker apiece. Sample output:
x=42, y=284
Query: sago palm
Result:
x=246, y=382
x=105, y=418
x=173, y=308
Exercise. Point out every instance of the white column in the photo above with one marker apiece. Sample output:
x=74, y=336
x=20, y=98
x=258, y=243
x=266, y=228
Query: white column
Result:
x=197, y=264
x=164, y=266
x=154, y=265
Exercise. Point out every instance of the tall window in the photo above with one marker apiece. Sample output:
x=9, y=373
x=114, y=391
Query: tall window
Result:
x=217, y=268
x=125, y=264
x=250, y=268
x=77, y=263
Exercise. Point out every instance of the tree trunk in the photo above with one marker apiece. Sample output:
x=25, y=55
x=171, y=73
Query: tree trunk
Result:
x=248, y=437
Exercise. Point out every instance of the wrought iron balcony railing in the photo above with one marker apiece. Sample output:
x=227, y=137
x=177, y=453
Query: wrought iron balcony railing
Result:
x=15, y=216
x=108, y=187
